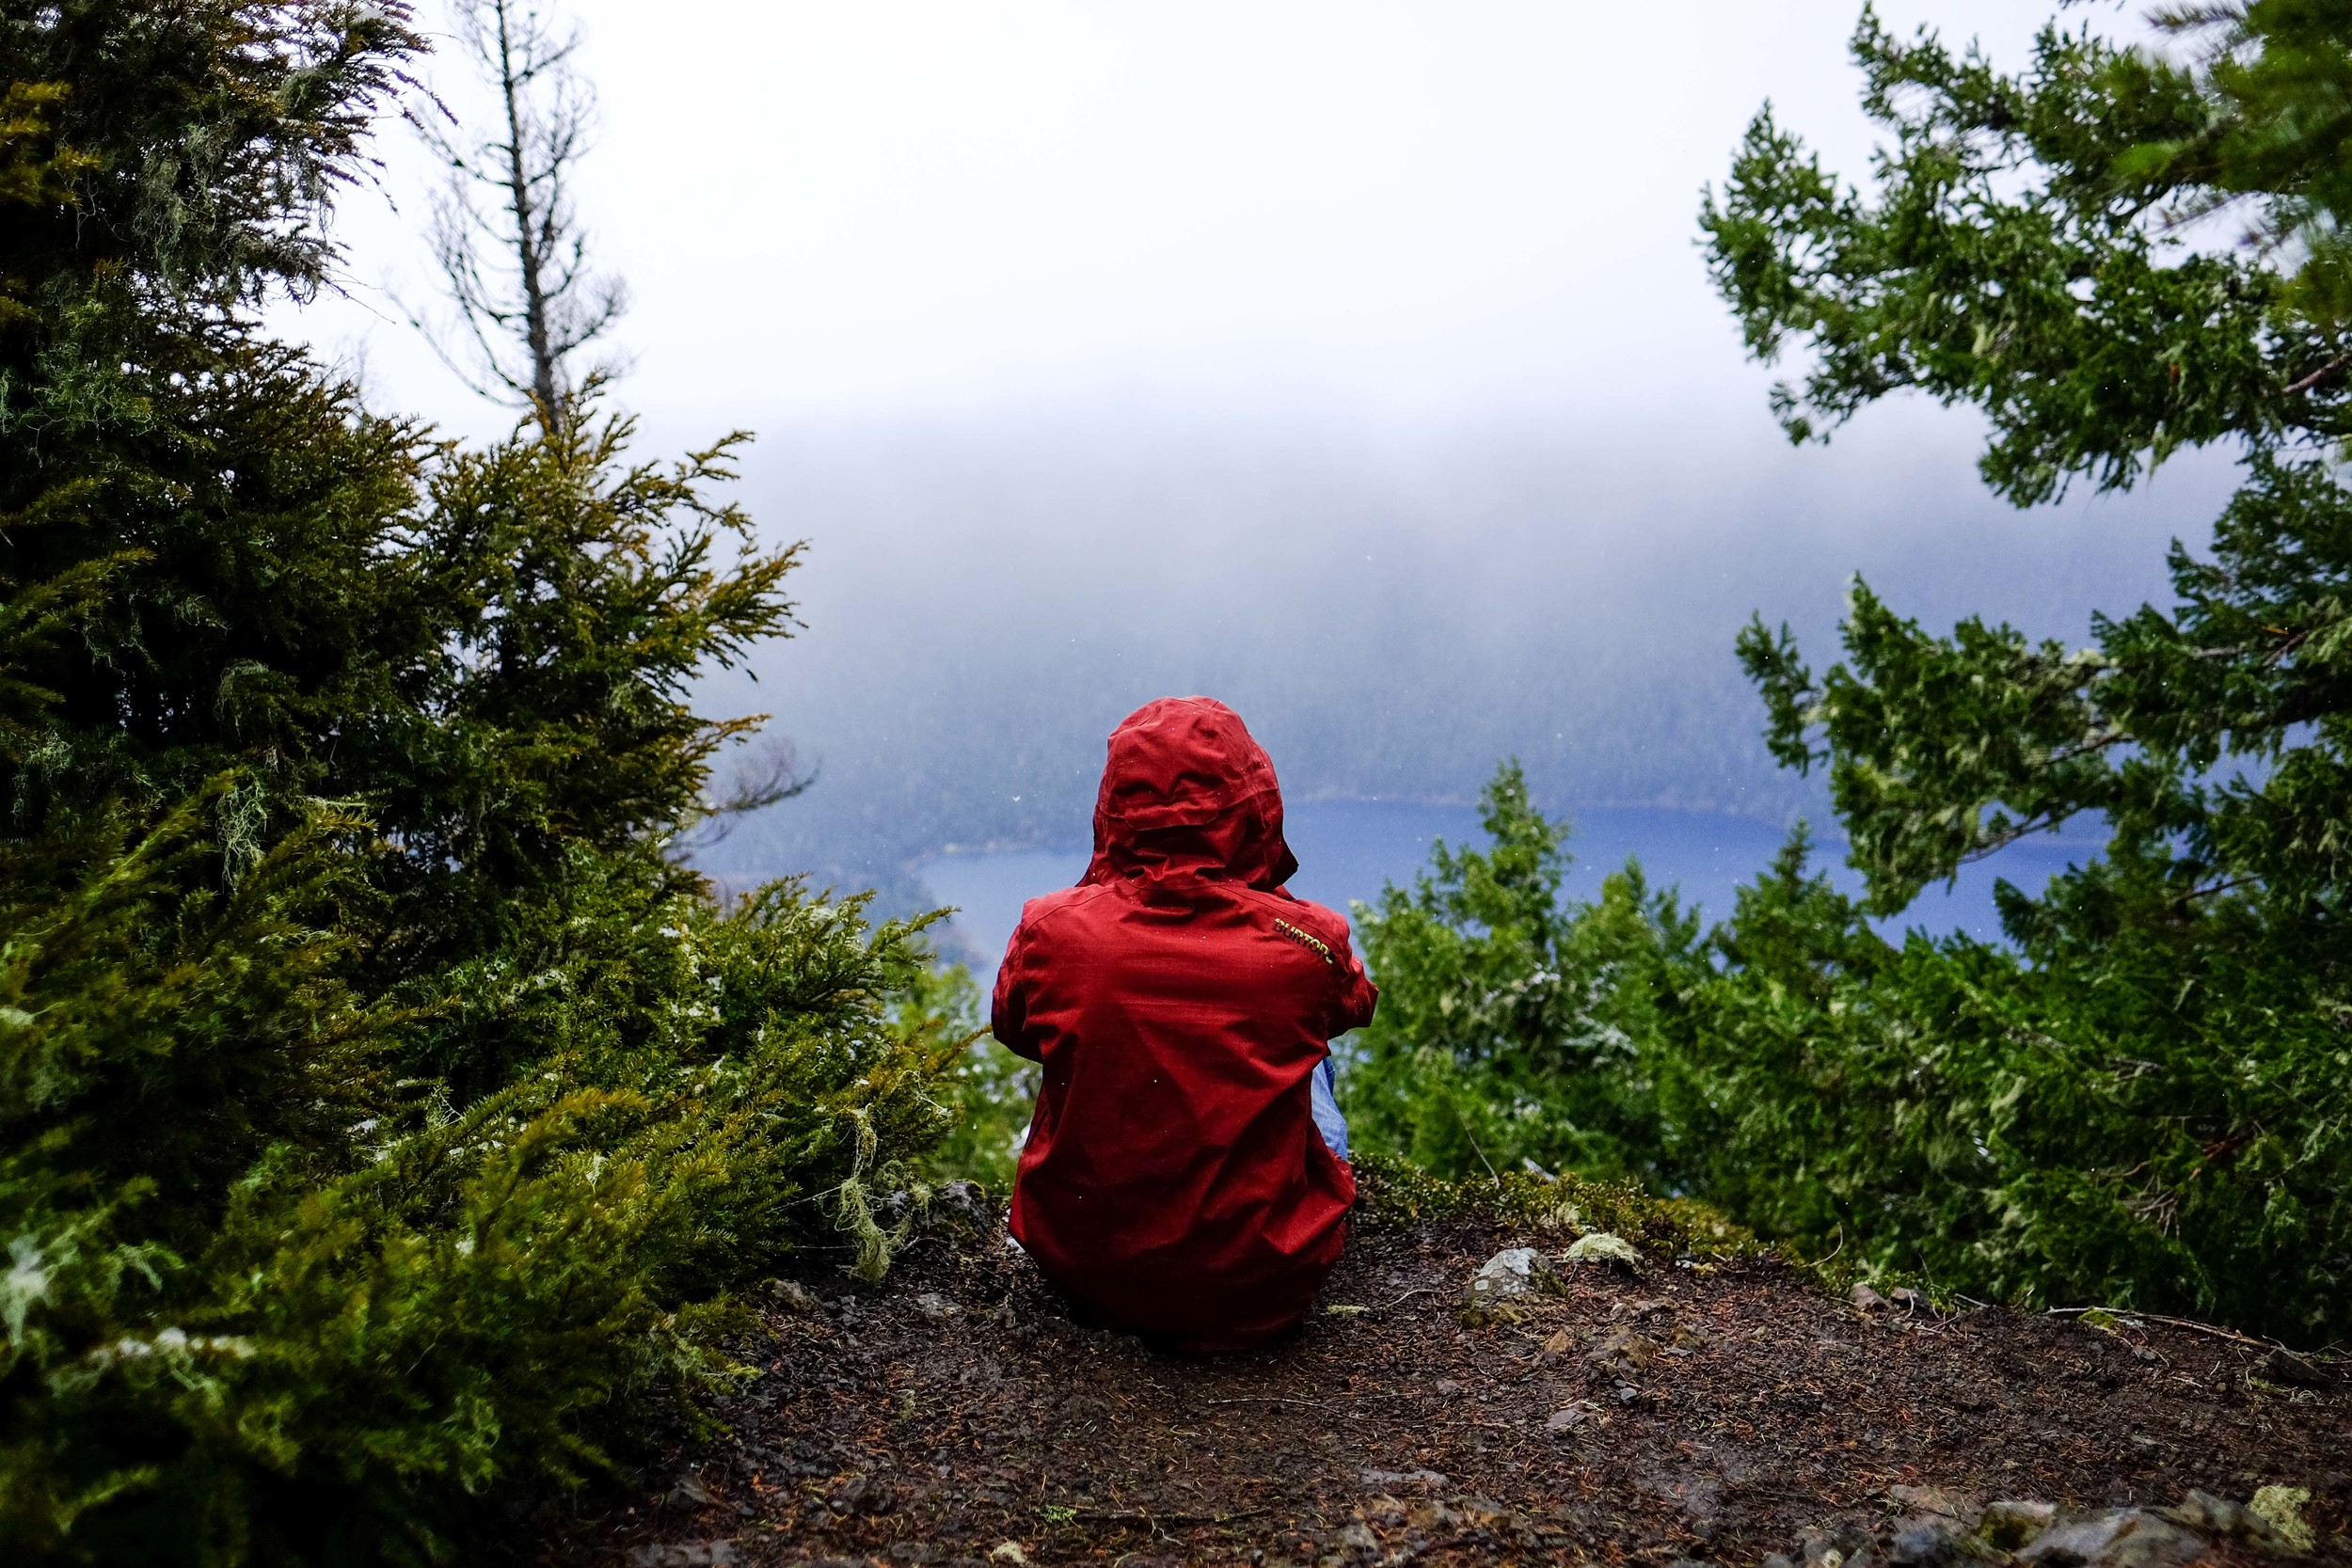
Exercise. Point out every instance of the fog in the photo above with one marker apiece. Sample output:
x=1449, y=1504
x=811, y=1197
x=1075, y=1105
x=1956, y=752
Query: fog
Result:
x=1352, y=362
x=1392, y=613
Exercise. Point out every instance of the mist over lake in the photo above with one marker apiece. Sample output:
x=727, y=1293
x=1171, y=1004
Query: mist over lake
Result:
x=1393, y=609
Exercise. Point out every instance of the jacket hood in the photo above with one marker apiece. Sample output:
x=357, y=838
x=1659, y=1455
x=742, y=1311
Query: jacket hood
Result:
x=1187, y=790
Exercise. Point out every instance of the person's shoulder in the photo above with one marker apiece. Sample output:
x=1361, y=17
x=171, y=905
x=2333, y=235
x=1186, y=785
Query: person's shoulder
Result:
x=1041, y=914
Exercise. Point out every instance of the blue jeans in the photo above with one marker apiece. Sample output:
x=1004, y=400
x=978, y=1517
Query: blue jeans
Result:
x=1323, y=1101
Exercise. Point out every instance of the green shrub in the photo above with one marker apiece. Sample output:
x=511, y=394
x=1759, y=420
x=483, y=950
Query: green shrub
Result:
x=1506, y=1035
x=334, y=1328
x=2161, y=1118
x=990, y=1094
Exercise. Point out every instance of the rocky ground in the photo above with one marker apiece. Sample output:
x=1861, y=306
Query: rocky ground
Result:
x=1717, y=1412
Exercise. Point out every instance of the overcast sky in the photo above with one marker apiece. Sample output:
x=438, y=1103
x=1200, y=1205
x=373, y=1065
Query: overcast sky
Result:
x=1428, y=211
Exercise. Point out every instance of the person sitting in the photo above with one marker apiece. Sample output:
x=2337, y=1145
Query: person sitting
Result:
x=1185, y=1172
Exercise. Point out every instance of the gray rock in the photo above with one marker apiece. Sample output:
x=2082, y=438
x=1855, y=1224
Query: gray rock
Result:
x=2284, y=1366
x=2115, y=1538
x=862, y=1494
x=1507, y=1283
x=2011, y=1522
x=683, y=1554
x=1624, y=1351
x=793, y=1296
x=1383, y=1481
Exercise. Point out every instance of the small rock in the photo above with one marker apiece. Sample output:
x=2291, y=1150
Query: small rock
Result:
x=1602, y=1246
x=793, y=1296
x=683, y=1554
x=1929, y=1544
x=1009, y=1552
x=1624, y=1351
x=2284, y=1366
x=933, y=1304
x=2010, y=1523
x=1866, y=1298
x=861, y=1495
x=1426, y=1480
x=2116, y=1538
x=1504, y=1283
x=2282, y=1509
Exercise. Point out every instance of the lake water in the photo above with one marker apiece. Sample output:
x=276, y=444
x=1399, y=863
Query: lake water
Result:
x=1348, y=850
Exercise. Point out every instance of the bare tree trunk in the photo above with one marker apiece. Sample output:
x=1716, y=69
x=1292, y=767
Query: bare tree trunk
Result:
x=509, y=240
x=527, y=258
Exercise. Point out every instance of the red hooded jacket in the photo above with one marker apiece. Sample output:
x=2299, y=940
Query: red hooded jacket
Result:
x=1178, y=999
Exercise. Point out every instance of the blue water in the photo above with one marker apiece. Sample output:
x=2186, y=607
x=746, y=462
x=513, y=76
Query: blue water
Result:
x=1348, y=850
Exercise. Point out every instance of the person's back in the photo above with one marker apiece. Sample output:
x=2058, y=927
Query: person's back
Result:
x=1180, y=1002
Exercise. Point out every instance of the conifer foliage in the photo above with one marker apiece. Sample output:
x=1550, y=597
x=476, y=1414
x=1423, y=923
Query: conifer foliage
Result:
x=2145, y=1097
x=2169, y=1045
x=1502, y=1039
x=385, y=1116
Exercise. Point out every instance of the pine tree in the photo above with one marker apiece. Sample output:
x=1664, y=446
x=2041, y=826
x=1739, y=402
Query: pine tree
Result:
x=385, y=1113
x=1501, y=1037
x=2145, y=1097
x=2150, y=1098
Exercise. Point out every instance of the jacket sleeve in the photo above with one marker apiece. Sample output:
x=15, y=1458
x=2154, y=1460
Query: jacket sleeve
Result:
x=1008, y=1010
x=1352, y=997
x=1352, y=1009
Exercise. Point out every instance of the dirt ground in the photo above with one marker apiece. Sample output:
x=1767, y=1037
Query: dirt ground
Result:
x=1708, y=1413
